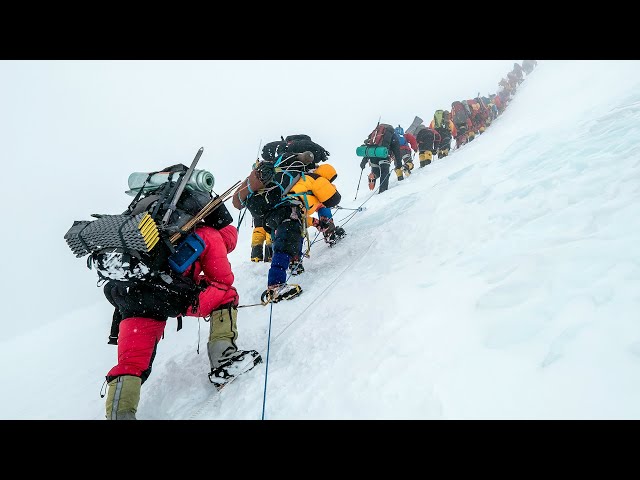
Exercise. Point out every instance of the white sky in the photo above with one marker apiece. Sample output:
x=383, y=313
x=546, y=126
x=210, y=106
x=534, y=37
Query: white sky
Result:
x=500, y=282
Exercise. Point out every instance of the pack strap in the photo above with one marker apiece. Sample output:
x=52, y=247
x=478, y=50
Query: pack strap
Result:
x=137, y=197
x=304, y=198
x=165, y=195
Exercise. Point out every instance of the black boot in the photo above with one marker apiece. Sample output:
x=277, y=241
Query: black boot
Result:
x=331, y=233
x=284, y=291
x=240, y=362
x=296, y=268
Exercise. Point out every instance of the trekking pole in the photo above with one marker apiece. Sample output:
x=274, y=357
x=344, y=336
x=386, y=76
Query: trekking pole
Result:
x=241, y=217
x=361, y=171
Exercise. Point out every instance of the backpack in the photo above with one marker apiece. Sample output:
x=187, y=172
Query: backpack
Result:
x=400, y=134
x=135, y=250
x=291, y=138
x=272, y=150
x=438, y=118
x=303, y=143
x=459, y=113
x=381, y=135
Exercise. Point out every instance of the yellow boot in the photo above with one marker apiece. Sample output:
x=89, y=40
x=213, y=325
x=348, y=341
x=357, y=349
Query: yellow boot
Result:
x=408, y=166
x=258, y=237
x=425, y=158
x=399, y=173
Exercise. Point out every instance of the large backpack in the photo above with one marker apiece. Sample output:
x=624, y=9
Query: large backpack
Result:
x=303, y=143
x=134, y=249
x=459, y=113
x=381, y=136
x=272, y=150
x=438, y=118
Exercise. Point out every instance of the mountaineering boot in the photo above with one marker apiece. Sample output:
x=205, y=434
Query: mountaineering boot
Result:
x=425, y=158
x=333, y=237
x=224, y=357
x=284, y=291
x=399, y=173
x=240, y=362
x=123, y=396
x=407, y=167
x=443, y=153
x=256, y=248
x=372, y=181
x=296, y=267
x=330, y=232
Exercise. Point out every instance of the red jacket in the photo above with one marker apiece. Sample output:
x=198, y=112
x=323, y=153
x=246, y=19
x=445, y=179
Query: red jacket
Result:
x=411, y=141
x=214, y=268
x=138, y=336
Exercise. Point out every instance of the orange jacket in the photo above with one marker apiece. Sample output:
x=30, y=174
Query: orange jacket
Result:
x=315, y=190
x=450, y=126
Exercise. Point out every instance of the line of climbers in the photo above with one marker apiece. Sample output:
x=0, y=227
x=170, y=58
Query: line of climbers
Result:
x=290, y=184
x=282, y=193
x=466, y=120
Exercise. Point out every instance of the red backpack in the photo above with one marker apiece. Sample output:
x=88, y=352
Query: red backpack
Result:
x=459, y=113
x=381, y=135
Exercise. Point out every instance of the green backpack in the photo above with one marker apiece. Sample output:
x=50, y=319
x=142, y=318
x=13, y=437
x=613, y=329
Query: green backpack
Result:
x=438, y=118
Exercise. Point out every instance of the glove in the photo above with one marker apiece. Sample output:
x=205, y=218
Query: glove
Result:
x=266, y=171
x=363, y=163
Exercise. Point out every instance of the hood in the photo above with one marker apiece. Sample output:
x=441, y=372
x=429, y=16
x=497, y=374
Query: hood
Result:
x=230, y=236
x=327, y=171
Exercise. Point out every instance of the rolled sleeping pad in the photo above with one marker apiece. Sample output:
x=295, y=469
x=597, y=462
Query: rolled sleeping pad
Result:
x=200, y=180
x=372, y=151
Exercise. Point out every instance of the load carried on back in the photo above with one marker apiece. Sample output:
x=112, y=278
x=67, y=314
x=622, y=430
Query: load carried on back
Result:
x=151, y=244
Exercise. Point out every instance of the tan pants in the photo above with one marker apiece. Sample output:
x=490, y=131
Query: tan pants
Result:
x=123, y=396
x=223, y=333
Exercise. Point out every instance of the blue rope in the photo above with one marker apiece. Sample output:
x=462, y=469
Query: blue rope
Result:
x=266, y=370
